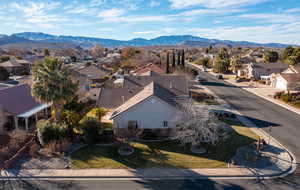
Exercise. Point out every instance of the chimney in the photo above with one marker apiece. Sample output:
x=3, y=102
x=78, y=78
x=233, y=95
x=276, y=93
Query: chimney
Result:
x=123, y=99
x=171, y=84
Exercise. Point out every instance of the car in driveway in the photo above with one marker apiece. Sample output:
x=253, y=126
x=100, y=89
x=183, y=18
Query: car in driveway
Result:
x=220, y=77
x=200, y=79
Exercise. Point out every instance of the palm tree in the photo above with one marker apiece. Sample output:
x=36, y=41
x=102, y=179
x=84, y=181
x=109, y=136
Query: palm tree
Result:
x=53, y=84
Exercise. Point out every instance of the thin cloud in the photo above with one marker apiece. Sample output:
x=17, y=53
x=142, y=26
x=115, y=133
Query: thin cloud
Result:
x=112, y=13
x=179, y=4
x=271, y=18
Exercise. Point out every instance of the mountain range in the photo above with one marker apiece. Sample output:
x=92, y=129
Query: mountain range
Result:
x=31, y=39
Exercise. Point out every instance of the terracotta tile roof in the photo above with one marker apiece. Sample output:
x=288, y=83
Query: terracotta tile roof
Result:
x=152, y=89
x=149, y=67
x=18, y=99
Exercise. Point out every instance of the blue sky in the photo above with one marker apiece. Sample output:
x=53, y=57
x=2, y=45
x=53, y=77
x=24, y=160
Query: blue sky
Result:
x=252, y=20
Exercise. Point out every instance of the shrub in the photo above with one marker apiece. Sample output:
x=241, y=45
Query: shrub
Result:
x=278, y=95
x=286, y=97
x=91, y=130
x=17, y=138
x=33, y=150
x=57, y=146
x=48, y=131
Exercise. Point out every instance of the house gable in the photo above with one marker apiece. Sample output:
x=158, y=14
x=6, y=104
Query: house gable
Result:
x=149, y=114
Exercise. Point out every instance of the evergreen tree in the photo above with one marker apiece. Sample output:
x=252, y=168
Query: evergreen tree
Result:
x=222, y=62
x=4, y=75
x=173, y=60
x=271, y=56
x=167, y=64
x=288, y=52
x=183, y=59
x=178, y=57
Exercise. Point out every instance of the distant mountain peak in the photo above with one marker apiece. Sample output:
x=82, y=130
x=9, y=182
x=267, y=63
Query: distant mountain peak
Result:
x=173, y=40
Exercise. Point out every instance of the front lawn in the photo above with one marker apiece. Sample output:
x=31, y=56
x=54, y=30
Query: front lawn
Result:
x=168, y=154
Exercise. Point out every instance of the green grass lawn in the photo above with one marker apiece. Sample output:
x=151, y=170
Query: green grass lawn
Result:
x=168, y=154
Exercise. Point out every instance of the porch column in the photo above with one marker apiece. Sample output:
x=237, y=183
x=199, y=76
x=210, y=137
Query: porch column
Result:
x=16, y=122
x=26, y=123
x=46, y=111
x=36, y=117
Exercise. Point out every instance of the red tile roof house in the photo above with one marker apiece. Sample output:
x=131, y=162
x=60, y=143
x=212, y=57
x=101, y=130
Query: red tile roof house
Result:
x=149, y=70
x=147, y=102
x=19, y=108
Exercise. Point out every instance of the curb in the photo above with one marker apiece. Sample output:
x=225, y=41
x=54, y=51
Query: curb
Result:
x=293, y=164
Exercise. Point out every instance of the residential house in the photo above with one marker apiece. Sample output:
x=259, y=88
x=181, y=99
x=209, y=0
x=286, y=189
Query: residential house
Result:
x=18, y=108
x=153, y=108
x=260, y=70
x=93, y=73
x=149, y=69
x=149, y=102
x=17, y=67
x=288, y=80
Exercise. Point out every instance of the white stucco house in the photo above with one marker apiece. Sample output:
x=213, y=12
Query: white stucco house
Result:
x=259, y=70
x=288, y=80
x=153, y=108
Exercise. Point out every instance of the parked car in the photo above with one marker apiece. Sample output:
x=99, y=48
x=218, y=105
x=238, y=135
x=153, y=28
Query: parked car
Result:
x=13, y=82
x=199, y=79
x=204, y=69
x=220, y=77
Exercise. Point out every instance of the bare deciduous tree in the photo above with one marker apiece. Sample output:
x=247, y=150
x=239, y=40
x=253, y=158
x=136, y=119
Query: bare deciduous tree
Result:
x=196, y=124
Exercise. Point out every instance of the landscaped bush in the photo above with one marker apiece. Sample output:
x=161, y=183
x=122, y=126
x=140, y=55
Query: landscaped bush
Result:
x=49, y=131
x=16, y=139
x=91, y=130
x=261, y=81
x=148, y=134
x=55, y=146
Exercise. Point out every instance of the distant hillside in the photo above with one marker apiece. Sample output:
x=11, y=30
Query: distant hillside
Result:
x=87, y=42
x=8, y=42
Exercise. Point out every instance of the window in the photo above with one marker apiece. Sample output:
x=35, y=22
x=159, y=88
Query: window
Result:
x=165, y=123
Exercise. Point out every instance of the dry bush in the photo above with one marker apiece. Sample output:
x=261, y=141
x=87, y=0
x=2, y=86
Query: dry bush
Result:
x=17, y=137
x=4, y=154
x=64, y=145
x=33, y=150
x=4, y=139
x=56, y=146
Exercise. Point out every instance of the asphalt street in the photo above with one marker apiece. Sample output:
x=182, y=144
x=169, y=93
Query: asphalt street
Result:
x=285, y=128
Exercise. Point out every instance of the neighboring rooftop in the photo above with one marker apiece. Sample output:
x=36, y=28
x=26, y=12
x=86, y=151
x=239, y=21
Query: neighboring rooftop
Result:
x=18, y=99
x=271, y=65
x=93, y=72
x=149, y=69
x=15, y=63
x=291, y=77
